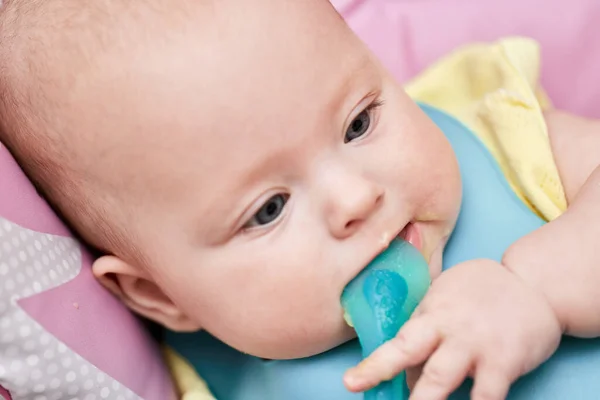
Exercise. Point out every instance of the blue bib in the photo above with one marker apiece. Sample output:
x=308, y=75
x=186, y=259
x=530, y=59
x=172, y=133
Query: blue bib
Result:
x=491, y=218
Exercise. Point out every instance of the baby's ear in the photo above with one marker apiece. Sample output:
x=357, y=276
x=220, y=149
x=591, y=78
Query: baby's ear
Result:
x=134, y=287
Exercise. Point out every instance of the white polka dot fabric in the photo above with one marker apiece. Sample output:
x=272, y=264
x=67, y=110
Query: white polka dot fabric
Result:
x=34, y=365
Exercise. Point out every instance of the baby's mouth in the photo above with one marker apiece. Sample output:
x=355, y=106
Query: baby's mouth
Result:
x=411, y=234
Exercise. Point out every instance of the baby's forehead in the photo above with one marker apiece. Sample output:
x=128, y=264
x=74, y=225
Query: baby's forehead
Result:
x=258, y=65
x=255, y=75
x=193, y=55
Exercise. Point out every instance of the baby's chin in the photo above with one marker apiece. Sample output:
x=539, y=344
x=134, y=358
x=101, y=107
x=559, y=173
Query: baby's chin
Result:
x=290, y=347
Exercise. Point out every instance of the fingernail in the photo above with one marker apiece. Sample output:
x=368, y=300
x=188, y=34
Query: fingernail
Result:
x=353, y=379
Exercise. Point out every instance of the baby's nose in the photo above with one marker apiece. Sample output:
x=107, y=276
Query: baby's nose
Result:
x=353, y=200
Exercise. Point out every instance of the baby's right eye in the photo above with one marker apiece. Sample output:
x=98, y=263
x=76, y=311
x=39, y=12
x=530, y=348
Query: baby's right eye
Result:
x=269, y=212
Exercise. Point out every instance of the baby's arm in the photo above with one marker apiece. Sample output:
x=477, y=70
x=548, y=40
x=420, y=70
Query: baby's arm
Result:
x=562, y=259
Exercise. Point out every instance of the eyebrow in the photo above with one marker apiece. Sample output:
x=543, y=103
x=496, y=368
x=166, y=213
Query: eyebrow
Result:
x=348, y=82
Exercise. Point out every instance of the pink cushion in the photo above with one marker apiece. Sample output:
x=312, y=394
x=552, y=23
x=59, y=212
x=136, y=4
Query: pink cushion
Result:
x=61, y=334
x=410, y=34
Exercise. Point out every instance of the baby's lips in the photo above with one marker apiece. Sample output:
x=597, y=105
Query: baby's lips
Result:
x=411, y=234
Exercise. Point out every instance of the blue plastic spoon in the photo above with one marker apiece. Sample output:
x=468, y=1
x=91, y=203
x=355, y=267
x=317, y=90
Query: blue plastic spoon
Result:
x=381, y=299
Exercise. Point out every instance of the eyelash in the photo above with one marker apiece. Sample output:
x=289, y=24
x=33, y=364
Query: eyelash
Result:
x=377, y=103
x=249, y=226
x=374, y=105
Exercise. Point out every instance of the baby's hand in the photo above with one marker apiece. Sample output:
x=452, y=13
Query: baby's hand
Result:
x=478, y=320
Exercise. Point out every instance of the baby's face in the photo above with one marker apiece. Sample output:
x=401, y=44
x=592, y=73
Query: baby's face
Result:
x=270, y=165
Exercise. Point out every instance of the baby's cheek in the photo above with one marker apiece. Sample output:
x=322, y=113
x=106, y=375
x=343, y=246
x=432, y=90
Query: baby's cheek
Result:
x=273, y=301
x=279, y=324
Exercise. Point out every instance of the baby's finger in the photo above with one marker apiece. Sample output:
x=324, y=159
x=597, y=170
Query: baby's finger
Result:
x=490, y=384
x=443, y=373
x=415, y=342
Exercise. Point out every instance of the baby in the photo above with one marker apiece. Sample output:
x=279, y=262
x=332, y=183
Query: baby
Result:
x=237, y=163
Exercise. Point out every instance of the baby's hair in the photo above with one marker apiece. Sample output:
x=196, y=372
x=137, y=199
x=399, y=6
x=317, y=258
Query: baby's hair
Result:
x=43, y=42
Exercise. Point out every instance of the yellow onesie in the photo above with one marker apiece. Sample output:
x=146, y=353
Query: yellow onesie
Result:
x=494, y=90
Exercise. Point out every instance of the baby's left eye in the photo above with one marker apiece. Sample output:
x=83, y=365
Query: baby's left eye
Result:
x=358, y=127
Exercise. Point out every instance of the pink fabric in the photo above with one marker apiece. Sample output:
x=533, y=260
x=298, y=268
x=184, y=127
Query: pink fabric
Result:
x=91, y=322
x=4, y=393
x=65, y=300
x=408, y=35
x=20, y=202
